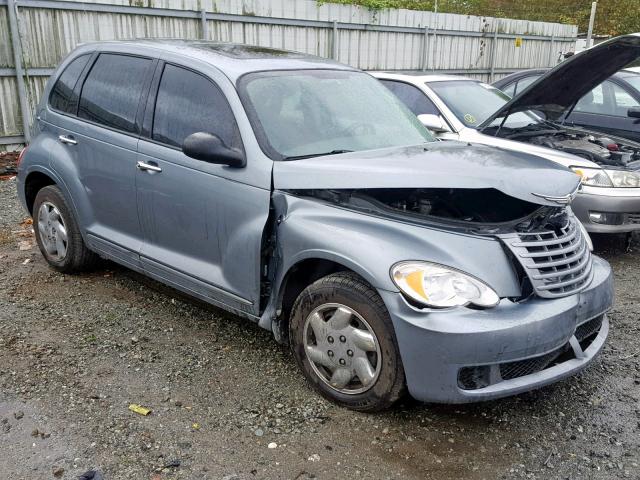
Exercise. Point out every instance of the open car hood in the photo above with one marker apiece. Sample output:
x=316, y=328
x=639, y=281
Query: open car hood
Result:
x=561, y=87
x=453, y=165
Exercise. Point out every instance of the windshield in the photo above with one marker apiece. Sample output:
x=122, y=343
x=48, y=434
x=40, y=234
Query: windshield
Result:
x=473, y=102
x=305, y=113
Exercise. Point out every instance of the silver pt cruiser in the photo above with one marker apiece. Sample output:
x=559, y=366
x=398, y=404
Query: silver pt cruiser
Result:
x=303, y=195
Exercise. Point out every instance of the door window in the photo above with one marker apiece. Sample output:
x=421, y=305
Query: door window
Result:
x=187, y=103
x=112, y=91
x=412, y=97
x=594, y=101
x=623, y=101
x=62, y=96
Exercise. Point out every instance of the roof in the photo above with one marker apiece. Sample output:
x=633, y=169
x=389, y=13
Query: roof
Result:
x=418, y=77
x=233, y=59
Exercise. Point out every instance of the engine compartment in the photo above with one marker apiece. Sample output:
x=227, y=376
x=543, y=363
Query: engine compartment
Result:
x=484, y=210
x=602, y=150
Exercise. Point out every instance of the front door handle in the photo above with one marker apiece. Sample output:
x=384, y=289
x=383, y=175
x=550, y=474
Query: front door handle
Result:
x=68, y=139
x=147, y=167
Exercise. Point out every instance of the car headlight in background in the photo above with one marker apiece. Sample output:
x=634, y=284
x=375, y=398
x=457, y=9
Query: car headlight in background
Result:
x=597, y=177
x=435, y=285
x=594, y=177
x=623, y=178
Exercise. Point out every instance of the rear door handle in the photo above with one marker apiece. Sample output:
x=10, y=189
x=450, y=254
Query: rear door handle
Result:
x=68, y=139
x=147, y=167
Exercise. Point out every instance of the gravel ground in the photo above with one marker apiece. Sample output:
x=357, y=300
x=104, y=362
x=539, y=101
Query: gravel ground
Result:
x=228, y=403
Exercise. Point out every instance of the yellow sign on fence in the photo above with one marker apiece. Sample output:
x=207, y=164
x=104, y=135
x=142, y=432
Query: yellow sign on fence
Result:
x=518, y=42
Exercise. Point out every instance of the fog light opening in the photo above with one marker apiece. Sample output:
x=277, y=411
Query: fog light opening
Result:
x=604, y=218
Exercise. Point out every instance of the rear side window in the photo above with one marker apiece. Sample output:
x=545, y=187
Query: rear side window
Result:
x=112, y=91
x=187, y=103
x=62, y=96
x=412, y=97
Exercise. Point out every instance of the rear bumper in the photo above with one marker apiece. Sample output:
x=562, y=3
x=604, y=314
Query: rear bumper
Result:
x=622, y=201
x=437, y=346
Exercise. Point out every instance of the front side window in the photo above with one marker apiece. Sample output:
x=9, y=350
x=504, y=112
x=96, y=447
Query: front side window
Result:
x=63, y=98
x=623, y=101
x=473, y=102
x=595, y=101
x=112, y=91
x=306, y=113
x=412, y=97
x=188, y=103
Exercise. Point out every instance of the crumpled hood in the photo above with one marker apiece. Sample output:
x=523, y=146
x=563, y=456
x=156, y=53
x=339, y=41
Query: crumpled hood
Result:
x=561, y=87
x=433, y=165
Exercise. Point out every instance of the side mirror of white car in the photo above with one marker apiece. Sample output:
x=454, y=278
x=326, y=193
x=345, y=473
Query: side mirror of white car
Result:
x=435, y=123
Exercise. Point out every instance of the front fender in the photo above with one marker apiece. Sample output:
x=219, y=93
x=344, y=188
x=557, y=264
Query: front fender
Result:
x=370, y=245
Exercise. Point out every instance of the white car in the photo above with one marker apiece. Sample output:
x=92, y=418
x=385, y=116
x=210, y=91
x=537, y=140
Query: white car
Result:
x=460, y=108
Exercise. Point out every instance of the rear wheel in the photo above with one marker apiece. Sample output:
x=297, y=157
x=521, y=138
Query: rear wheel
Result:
x=57, y=233
x=344, y=342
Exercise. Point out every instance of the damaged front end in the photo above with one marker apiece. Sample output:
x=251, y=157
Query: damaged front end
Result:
x=548, y=248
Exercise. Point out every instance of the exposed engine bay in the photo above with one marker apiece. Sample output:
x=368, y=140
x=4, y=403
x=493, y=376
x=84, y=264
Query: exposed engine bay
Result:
x=602, y=150
x=484, y=211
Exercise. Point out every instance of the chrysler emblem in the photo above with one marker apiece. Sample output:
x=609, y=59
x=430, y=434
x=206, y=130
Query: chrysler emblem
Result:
x=560, y=200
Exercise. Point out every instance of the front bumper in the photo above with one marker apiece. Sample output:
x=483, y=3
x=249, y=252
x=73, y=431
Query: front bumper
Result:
x=436, y=346
x=622, y=201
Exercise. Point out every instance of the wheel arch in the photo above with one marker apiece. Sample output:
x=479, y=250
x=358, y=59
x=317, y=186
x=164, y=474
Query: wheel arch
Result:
x=33, y=183
x=298, y=276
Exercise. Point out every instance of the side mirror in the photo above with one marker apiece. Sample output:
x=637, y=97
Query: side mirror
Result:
x=633, y=112
x=210, y=148
x=435, y=123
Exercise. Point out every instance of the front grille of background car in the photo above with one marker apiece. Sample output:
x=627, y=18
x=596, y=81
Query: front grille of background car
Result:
x=557, y=261
x=633, y=218
x=476, y=377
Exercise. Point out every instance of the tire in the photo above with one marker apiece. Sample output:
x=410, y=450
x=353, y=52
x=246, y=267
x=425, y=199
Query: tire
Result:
x=343, y=306
x=70, y=256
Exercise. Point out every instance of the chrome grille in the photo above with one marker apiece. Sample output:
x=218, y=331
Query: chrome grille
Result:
x=557, y=261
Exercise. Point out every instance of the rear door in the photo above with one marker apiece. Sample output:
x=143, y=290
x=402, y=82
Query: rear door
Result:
x=202, y=222
x=103, y=135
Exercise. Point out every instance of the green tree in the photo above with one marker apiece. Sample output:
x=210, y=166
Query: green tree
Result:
x=614, y=17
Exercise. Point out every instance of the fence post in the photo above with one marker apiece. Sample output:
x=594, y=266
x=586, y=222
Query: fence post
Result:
x=334, y=41
x=494, y=49
x=552, y=56
x=203, y=23
x=425, y=49
x=17, y=60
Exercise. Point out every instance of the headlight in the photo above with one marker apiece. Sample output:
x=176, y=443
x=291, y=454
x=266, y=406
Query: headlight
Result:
x=624, y=179
x=438, y=286
x=595, y=177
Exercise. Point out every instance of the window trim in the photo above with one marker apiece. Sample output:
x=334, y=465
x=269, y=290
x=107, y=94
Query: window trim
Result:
x=77, y=86
x=148, y=76
x=150, y=105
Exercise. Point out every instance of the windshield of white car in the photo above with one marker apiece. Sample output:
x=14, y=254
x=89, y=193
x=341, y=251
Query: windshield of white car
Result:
x=473, y=102
x=307, y=113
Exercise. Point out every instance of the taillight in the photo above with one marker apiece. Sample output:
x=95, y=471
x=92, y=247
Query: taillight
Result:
x=24, y=150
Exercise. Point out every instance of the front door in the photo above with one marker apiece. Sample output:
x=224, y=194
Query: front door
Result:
x=605, y=109
x=202, y=222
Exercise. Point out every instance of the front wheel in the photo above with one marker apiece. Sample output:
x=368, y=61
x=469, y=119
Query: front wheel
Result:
x=344, y=342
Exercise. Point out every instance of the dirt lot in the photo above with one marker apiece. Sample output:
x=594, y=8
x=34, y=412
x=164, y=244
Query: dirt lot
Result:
x=228, y=402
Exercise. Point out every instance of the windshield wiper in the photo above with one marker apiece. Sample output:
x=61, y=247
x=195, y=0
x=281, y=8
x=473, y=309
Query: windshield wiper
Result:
x=311, y=155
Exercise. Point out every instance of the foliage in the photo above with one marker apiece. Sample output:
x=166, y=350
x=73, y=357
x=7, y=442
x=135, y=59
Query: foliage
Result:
x=614, y=17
